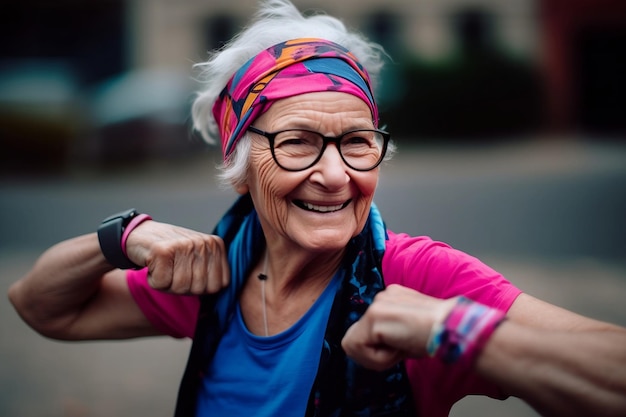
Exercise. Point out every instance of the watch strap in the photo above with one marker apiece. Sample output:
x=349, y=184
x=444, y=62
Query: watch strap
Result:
x=135, y=221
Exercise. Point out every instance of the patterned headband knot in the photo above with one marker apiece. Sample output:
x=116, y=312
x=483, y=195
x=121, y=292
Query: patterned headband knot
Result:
x=269, y=76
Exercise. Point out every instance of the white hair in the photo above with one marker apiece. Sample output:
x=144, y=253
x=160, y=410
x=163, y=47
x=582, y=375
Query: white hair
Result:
x=276, y=21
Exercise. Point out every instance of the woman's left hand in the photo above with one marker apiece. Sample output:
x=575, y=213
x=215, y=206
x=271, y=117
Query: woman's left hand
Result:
x=396, y=326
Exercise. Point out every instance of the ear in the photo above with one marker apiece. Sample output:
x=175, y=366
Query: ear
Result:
x=241, y=188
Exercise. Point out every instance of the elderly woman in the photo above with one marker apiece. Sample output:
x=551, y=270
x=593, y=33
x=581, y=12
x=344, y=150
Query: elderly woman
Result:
x=301, y=302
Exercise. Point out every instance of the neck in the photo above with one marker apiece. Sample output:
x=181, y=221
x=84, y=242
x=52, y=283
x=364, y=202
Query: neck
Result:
x=275, y=297
x=296, y=272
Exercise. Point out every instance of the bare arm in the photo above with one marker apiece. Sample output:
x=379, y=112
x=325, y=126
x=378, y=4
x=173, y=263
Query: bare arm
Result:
x=73, y=293
x=559, y=362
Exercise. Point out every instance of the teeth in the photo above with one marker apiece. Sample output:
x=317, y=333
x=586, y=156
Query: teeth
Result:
x=322, y=209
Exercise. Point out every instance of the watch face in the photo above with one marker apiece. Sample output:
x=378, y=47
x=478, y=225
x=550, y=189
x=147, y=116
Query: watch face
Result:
x=110, y=235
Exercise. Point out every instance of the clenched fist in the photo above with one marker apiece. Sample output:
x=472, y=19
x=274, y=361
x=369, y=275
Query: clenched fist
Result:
x=179, y=260
x=396, y=326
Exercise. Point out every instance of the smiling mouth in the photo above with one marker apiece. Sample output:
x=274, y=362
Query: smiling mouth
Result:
x=320, y=209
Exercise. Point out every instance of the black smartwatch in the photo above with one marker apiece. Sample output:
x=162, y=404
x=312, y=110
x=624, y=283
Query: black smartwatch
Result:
x=110, y=237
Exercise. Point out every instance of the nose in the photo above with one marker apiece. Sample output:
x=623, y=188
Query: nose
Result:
x=330, y=171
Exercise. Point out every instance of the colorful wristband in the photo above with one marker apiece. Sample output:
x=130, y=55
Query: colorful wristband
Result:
x=136, y=221
x=464, y=332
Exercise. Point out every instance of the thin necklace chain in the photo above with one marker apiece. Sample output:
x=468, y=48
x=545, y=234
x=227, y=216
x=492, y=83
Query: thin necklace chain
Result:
x=263, y=277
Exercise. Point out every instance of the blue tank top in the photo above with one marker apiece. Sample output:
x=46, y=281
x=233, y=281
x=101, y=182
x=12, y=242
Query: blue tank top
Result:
x=266, y=376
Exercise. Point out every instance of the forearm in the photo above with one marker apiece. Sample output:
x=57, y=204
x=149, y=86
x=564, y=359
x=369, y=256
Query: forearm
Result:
x=65, y=277
x=560, y=373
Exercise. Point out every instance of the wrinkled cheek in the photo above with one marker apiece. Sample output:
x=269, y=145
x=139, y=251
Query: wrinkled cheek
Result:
x=362, y=208
x=272, y=196
x=367, y=182
x=278, y=212
x=361, y=215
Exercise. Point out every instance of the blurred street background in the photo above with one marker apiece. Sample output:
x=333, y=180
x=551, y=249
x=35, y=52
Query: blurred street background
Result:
x=510, y=118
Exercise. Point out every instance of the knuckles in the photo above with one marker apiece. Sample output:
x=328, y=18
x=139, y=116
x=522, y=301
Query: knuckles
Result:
x=187, y=263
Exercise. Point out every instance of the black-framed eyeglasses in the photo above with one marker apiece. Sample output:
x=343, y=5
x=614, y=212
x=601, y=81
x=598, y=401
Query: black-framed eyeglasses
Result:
x=299, y=149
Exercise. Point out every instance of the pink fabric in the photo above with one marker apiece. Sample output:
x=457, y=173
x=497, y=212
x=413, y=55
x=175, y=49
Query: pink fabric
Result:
x=430, y=267
x=173, y=315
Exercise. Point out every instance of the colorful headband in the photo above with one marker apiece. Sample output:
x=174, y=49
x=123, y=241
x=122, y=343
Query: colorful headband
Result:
x=318, y=64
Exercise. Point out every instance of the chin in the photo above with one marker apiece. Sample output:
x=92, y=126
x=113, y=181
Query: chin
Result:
x=322, y=242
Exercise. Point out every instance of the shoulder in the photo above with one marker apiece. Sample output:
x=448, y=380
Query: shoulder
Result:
x=437, y=269
x=403, y=245
x=413, y=256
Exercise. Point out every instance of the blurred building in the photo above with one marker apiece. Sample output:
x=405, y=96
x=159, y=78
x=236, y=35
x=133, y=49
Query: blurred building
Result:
x=113, y=78
x=168, y=33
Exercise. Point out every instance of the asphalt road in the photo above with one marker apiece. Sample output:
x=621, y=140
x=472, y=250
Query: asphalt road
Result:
x=548, y=214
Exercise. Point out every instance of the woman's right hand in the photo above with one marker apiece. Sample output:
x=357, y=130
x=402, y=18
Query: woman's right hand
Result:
x=179, y=260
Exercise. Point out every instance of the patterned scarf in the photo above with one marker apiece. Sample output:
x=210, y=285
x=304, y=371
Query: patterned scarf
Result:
x=341, y=387
x=284, y=70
